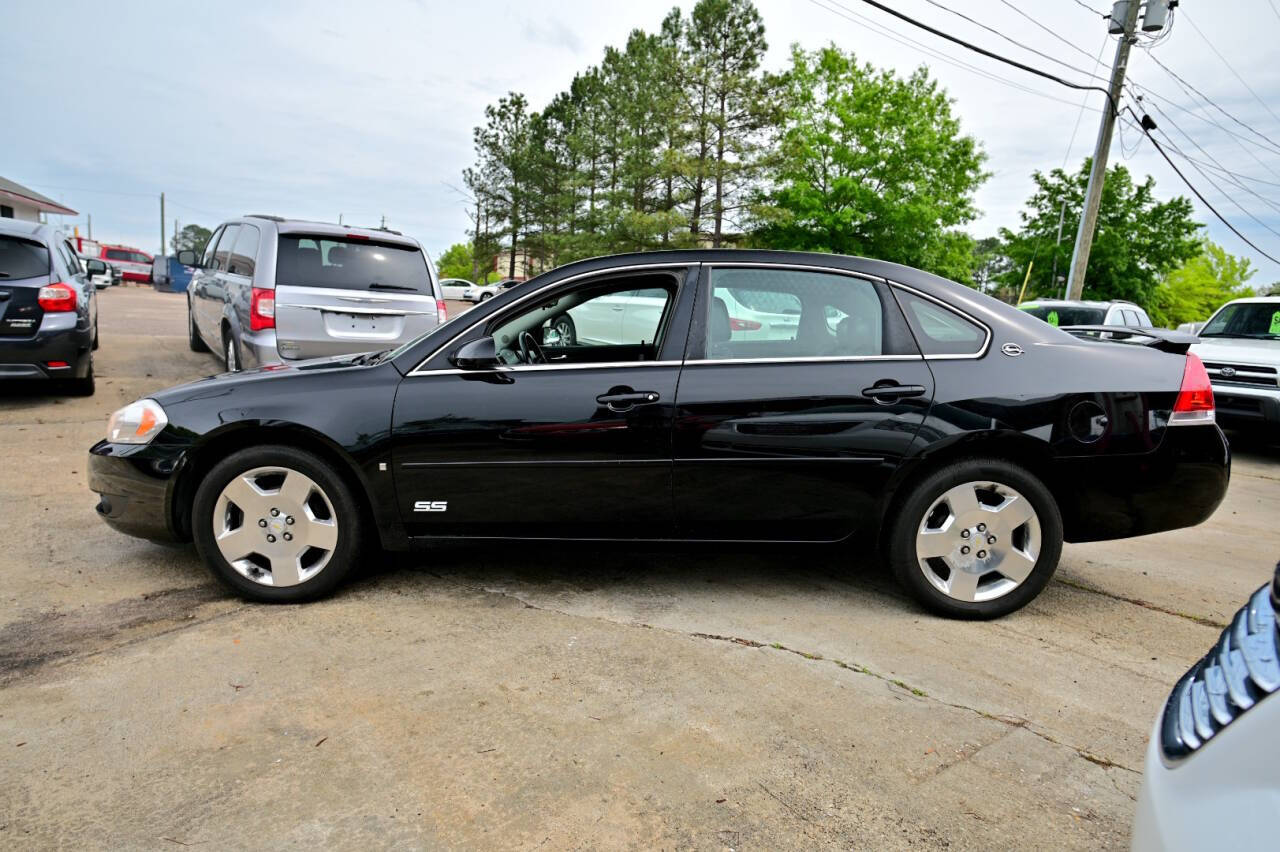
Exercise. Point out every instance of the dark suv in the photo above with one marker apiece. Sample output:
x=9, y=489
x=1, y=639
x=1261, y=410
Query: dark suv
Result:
x=269, y=290
x=48, y=310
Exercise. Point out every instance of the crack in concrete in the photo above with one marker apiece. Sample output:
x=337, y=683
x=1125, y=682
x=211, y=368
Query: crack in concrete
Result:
x=1197, y=619
x=1011, y=721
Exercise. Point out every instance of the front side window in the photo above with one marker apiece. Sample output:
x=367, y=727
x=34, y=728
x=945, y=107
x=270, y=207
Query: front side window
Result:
x=939, y=330
x=206, y=259
x=351, y=264
x=222, y=257
x=786, y=313
x=606, y=321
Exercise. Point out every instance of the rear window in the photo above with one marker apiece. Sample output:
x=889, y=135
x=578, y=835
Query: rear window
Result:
x=1066, y=314
x=351, y=264
x=22, y=259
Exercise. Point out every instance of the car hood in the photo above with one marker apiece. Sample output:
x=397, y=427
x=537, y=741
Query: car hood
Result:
x=1235, y=349
x=221, y=383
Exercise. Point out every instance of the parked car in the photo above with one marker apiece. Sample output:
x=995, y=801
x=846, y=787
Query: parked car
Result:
x=962, y=437
x=454, y=288
x=1061, y=312
x=269, y=290
x=100, y=275
x=1240, y=347
x=131, y=264
x=48, y=309
x=1191, y=327
x=1212, y=778
x=483, y=292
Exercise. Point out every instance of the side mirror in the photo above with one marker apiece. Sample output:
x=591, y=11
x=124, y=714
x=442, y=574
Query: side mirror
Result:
x=187, y=257
x=95, y=267
x=479, y=354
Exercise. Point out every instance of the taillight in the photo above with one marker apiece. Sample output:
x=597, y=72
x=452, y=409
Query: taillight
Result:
x=1195, y=397
x=440, y=312
x=262, y=309
x=56, y=297
x=743, y=325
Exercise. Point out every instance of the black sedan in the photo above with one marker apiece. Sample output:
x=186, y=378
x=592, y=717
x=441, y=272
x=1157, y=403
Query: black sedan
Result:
x=767, y=397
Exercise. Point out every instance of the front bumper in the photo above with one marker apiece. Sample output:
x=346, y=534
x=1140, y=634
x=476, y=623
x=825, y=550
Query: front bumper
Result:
x=58, y=339
x=135, y=487
x=1242, y=406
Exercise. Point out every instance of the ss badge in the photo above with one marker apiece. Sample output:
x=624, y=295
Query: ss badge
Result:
x=431, y=506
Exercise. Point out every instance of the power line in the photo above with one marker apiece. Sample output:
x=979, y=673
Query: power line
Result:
x=906, y=41
x=990, y=54
x=1215, y=185
x=1186, y=85
x=1056, y=35
x=1017, y=43
x=1273, y=8
x=1089, y=8
x=1234, y=134
x=1193, y=188
x=1106, y=39
x=1243, y=82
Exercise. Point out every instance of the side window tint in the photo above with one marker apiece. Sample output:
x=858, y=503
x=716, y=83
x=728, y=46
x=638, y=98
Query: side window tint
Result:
x=245, y=253
x=222, y=257
x=206, y=260
x=1115, y=318
x=939, y=330
x=786, y=313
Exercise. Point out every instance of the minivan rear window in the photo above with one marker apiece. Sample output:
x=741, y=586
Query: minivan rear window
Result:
x=22, y=259
x=351, y=264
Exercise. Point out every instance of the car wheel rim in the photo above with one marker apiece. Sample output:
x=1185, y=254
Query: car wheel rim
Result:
x=978, y=541
x=565, y=331
x=231, y=356
x=275, y=526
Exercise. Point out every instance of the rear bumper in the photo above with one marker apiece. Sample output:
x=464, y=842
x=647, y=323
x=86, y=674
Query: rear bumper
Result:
x=1178, y=485
x=258, y=349
x=1242, y=406
x=58, y=339
x=135, y=488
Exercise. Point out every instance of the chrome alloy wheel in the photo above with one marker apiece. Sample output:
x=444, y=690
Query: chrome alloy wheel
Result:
x=232, y=366
x=275, y=526
x=978, y=541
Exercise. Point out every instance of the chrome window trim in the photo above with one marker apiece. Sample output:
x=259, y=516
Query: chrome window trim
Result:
x=802, y=359
x=986, y=344
x=419, y=371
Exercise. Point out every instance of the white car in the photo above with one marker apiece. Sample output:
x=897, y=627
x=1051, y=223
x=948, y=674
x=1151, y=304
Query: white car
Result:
x=455, y=288
x=628, y=317
x=1240, y=348
x=481, y=292
x=99, y=273
x=1212, y=777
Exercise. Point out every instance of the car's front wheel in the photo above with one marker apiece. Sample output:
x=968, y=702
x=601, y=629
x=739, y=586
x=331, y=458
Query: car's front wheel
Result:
x=977, y=538
x=276, y=524
x=485, y=296
x=194, y=341
x=231, y=354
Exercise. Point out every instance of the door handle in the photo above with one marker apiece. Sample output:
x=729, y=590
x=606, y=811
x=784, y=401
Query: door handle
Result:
x=886, y=393
x=627, y=400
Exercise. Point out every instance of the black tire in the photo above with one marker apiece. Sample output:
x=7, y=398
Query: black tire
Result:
x=485, y=296
x=94, y=347
x=346, y=512
x=194, y=341
x=907, y=518
x=84, y=386
x=231, y=352
x=567, y=330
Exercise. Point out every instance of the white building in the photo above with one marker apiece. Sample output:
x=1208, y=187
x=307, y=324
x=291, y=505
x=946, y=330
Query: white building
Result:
x=18, y=202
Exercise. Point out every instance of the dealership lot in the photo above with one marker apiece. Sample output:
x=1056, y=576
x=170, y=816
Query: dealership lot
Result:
x=600, y=696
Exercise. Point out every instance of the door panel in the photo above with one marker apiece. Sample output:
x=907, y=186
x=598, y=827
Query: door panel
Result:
x=533, y=452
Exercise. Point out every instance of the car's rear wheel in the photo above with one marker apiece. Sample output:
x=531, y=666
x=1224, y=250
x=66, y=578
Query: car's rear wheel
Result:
x=276, y=524
x=194, y=341
x=231, y=354
x=565, y=329
x=83, y=386
x=95, y=334
x=977, y=538
x=485, y=296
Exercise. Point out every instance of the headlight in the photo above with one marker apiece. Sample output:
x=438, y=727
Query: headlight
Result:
x=136, y=423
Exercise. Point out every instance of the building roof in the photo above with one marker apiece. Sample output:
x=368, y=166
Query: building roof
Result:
x=12, y=189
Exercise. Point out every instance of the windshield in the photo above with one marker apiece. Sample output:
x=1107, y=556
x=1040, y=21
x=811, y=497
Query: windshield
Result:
x=22, y=259
x=1257, y=320
x=1065, y=314
x=351, y=264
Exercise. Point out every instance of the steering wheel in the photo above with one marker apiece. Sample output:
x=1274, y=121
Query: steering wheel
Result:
x=530, y=350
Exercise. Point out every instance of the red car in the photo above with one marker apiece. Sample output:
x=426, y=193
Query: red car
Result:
x=132, y=264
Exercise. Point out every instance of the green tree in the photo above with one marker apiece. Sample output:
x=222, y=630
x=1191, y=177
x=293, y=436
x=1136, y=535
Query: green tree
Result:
x=502, y=175
x=1200, y=286
x=457, y=261
x=191, y=237
x=1138, y=240
x=870, y=164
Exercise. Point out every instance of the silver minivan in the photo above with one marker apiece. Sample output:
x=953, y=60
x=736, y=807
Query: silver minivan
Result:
x=268, y=290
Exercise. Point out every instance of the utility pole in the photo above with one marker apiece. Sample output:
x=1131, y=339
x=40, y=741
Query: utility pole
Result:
x=162, y=223
x=90, y=215
x=1093, y=195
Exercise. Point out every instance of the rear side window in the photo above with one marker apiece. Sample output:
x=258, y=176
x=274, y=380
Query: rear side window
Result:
x=245, y=253
x=222, y=257
x=351, y=264
x=22, y=259
x=939, y=330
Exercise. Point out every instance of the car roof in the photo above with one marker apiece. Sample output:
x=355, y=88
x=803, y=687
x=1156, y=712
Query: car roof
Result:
x=1081, y=303
x=1255, y=300
x=22, y=228
x=306, y=226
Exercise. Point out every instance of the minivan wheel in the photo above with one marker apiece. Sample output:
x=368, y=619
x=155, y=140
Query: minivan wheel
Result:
x=194, y=341
x=276, y=524
x=232, y=355
x=977, y=538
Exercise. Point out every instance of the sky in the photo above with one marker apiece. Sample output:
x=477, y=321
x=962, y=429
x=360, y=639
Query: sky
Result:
x=318, y=111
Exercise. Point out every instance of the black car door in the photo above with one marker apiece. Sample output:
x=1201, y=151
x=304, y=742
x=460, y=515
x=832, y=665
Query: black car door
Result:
x=578, y=446
x=802, y=391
